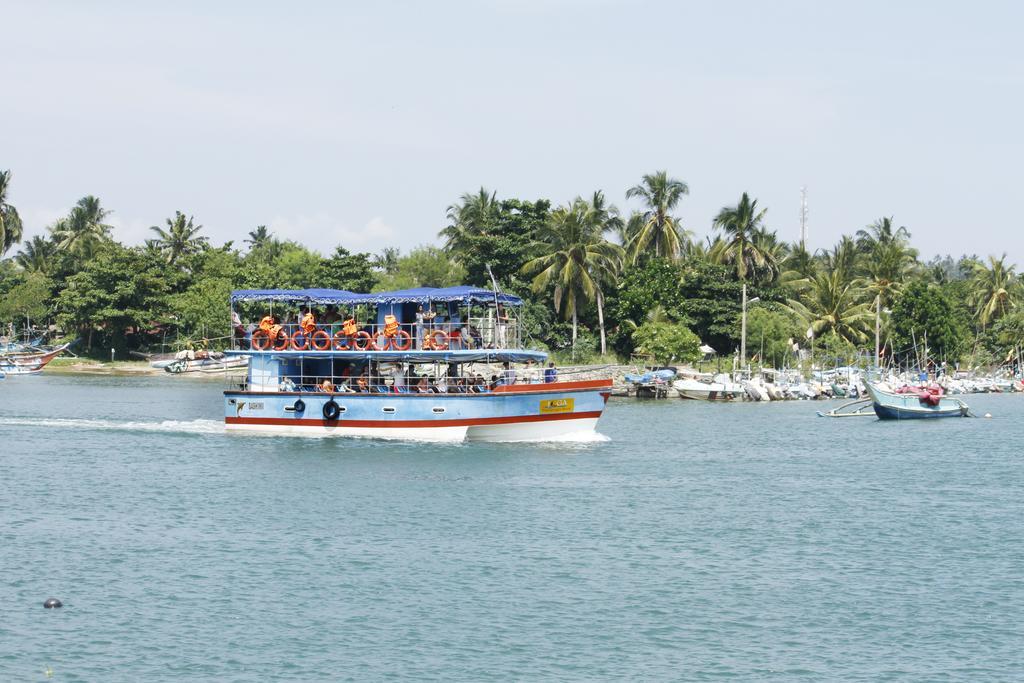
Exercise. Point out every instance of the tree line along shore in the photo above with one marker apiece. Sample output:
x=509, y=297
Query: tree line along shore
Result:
x=598, y=284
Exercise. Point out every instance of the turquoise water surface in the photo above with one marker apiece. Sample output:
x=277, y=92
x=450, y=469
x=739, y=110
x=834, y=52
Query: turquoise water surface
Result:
x=696, y=542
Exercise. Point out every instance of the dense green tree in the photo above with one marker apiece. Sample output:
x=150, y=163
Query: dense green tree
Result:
x=344, y=270
x=117, y=289
x=424, y=266
x=10, y=221
x=27, y=300
x=667, y=342
x=654, y=231
x=771, y=334
x=925, y=312
x=180, y=238
x=484, y=232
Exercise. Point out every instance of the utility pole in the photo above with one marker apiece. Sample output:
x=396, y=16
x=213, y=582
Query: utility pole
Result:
x=878, y=327
x=803, y=218
x=743, y=328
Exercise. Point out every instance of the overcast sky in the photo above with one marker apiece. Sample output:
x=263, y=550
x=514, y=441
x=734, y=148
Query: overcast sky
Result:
x=359, y=123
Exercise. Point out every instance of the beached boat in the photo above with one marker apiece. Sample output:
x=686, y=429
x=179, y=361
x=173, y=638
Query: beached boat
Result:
x=418, y=371
x=913, y=403
x=719, y=389
x=28, y=362
x=201, y=361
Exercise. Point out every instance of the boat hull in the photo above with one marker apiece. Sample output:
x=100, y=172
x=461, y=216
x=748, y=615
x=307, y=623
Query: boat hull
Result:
x=509, y=414
x=890, y=406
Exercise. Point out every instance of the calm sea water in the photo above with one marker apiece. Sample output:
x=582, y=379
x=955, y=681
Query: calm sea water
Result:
x=698, y=542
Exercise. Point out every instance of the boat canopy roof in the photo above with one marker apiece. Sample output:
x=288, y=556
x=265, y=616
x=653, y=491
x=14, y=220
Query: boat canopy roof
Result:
x=419, y=295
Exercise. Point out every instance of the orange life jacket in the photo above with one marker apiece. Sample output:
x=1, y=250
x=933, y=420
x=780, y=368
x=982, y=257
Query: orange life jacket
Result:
x=349, y=327
x=308, y=323
x=390, y=325
x=267, y=323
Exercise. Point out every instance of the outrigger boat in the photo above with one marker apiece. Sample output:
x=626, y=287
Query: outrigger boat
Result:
x=914, y=403
x=414, y=372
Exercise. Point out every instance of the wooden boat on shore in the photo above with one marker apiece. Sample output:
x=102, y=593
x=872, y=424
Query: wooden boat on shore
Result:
x=28, y=362
x=914, y=403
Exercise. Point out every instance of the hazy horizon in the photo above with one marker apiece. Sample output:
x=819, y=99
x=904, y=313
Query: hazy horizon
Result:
x=358, y=126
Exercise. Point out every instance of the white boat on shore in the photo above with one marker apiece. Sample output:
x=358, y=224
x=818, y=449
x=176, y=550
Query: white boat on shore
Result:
x=719, y=389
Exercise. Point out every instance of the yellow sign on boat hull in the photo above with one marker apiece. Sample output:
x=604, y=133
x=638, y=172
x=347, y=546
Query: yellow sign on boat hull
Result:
x=556, y=405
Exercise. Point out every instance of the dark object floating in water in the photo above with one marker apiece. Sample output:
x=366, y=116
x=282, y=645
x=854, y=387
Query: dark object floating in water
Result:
x=52, y=603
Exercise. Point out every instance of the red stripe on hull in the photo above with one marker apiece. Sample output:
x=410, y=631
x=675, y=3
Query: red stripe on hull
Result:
x=402, y=424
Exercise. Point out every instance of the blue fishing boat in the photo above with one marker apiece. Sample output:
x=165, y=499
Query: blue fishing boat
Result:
x=913, y=404
x=443, y=364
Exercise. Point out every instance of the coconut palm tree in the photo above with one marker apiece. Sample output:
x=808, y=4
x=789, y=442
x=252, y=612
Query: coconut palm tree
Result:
x=881, y=232
x=654, y=230
x=740, y=225
x=180, y=238
x=577, y=258
x=995, y=289
x=831, y=302
x=10, y=221
x=773, y=253
x=260, y=237
x=36, y=256
x=473, y=215
x=83, y=230
x=604, y=217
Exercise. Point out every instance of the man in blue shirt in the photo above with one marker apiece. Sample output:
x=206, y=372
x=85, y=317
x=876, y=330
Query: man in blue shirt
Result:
x=550, y=374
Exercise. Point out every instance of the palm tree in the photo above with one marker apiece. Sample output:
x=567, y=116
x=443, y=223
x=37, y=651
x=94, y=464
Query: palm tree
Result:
x=995, y=289
x=180, y=238
x=604, y=218
x=10, y=221
x=881, y=232
x=577, y=258
x=831, y=302
x=655, y=228
x=259, y=237
x=473, y=215
x=773, y=253
x=842, y=259
x=36, y=256
x=740, y=225
x=83, y=230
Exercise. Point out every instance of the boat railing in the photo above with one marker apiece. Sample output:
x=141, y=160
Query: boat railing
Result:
x=390, y=383
x=475, y=333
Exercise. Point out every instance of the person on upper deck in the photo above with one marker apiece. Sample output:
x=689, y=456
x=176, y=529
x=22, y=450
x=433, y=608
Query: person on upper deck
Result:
x=330, y=315
x=308, y=322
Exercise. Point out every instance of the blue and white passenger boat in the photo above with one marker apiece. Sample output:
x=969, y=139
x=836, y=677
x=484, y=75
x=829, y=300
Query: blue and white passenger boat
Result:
x=443, y=364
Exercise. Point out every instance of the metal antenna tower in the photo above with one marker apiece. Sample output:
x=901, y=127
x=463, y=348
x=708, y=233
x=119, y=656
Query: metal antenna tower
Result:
x=803, y=217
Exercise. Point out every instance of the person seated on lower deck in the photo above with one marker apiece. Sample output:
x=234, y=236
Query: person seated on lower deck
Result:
x=423, y=385
x=363, y=383
x=550, y=374
x=508, y=376
x=287, y=384
x=326, y=386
